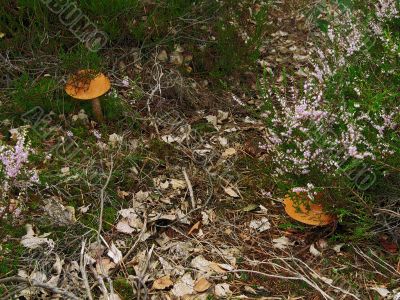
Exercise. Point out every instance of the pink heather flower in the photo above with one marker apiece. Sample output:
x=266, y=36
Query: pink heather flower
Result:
x=14, y=159
x=299, y=190
x=34, y=178
x=125, y=82
x=386, y=9
x=97, y=134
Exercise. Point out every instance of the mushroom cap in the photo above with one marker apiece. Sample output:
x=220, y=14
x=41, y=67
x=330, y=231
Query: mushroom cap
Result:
x=307, y=213
x=86, y=85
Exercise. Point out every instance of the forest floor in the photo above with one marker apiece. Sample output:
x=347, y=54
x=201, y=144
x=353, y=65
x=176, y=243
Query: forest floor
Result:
x=175, y=199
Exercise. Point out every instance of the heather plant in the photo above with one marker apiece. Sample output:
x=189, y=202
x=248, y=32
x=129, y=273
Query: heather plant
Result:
x=338, y=130
x=15, y=173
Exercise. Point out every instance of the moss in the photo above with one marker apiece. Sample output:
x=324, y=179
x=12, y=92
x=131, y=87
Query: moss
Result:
x=10, y=257
x=203, y=127
x=123, y=288
x=109, y=217
x=29, y=94
x=163, y=151
x=11, y=251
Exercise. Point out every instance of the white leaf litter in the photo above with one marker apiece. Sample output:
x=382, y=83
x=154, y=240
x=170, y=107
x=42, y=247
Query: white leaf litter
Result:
x=260, y=225
x=231, y=192
x=212, y=120
x=397, y=296
x=223, y=141
x=184, y=286
x=31, y=241
x=115, y=139
x=384, y=292
x=141, y=196
x=222, y=290
x=178, y=184
x=123, y=227
x=38, y=276
x=64, y=170
x=84, y=209
x=167, y=267
x=59, y=214
x=281, y=243
x=207, y=267
x=314, y=251
x=112, y=296
x=222, y=116
x=104, y=265
x=57, y=268
x=201, y=264
x=115, y=254
x=184, y=133
x=229, y=152
x=337, y=248
x=130, y=222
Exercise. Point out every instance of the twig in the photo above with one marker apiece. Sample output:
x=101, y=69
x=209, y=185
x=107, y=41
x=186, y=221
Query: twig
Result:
x=103, y=189
x=100, y=282
x=83, y=271
x=390, y=212
x=142, y=272
x=300, y=277
x=34, y=283
x=190, y=188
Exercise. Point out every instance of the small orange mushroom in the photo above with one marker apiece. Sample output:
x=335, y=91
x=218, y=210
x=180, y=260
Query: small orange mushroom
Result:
x=89, y=85
x=307, y=212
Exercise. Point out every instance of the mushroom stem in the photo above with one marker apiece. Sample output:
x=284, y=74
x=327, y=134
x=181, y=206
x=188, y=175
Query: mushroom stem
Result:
x=96, y=107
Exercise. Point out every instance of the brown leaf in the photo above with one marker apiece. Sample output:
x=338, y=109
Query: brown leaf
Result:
x=194, y=227
x=215, y=267
x=388, y=245
x=162, y=283
x=122, y=194
x=202, y=285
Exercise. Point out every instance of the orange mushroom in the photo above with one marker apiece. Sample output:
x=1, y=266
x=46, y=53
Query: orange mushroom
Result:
x=307, y=212
x=89, y=85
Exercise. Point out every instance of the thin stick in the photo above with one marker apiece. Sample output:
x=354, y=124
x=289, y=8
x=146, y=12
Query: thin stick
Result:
x=103, y=189
x=190, y=188
x=34, y=283
x=83, y=271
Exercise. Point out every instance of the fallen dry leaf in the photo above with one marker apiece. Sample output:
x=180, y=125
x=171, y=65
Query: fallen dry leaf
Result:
x=31, y=241
x=281, y=242
x=222, y=290
x=223, y=141
x=382, y=291
x=216, y=267
x=260, y=225
x=314, y=251
x=122, y=194
x=388, y=245
x=115, y=254
x=104, y=265
x=59, y=214
x=184, y=286
x=194, y=227
x=229, y=152
x=200, y=263
x=202, y=285
x=231, y=192
x=337, y=248
x=162, y=283
x=178, y=184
